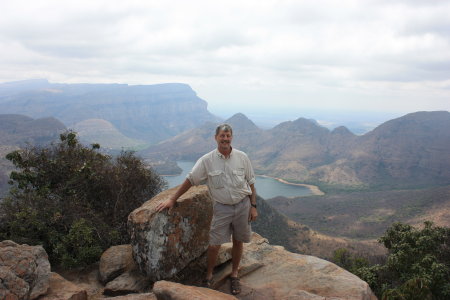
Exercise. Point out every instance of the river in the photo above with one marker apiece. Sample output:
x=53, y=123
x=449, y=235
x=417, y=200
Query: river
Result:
x=266, y=187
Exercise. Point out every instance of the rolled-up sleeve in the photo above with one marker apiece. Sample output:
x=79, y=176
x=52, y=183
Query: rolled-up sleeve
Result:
x=249, y=174
x=198, y=174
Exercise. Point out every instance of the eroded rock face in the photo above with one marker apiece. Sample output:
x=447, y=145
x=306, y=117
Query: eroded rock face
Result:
x=164, y=243
x=174, y=291
x=24, y=271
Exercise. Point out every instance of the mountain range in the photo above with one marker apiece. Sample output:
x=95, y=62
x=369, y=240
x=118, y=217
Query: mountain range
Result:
x=149, y=113
x=410, y=151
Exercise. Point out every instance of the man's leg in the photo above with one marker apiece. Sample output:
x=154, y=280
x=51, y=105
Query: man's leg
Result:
x=236, y=253
x=213, y=251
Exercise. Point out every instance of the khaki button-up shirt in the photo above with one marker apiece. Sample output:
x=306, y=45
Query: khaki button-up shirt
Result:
x=228, y=179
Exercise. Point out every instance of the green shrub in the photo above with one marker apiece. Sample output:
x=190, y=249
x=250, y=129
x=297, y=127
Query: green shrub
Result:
x=80, y=246
x=73, y=199
x=417, y=265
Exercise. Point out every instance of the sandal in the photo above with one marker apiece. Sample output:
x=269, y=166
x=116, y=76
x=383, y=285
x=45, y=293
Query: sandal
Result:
x=206, y=283
x=235, y=285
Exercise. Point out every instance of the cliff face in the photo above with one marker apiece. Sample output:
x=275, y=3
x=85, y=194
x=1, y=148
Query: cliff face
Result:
x=147, y=112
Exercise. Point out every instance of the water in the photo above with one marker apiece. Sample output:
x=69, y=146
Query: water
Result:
x=265, y=187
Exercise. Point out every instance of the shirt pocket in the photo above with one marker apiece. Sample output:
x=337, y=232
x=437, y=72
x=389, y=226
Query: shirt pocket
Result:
x=216, y=179
x=238, y=178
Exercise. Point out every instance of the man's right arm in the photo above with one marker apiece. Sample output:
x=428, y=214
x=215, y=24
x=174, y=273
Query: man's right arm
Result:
x=169, y=203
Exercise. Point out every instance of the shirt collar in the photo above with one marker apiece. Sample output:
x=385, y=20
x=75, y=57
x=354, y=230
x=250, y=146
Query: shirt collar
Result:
x=223, y=156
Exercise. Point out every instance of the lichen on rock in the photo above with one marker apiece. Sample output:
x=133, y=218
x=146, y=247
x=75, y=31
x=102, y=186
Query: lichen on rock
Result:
x=164, y=243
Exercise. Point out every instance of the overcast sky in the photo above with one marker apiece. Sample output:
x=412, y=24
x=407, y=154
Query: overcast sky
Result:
x=386, y=56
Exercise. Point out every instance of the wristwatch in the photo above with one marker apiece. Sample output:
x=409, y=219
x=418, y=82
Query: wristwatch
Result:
x=254, y=205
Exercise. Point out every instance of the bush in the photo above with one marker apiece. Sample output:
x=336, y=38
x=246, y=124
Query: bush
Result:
x=343, y=258
x=417, y=266
x=73, y=199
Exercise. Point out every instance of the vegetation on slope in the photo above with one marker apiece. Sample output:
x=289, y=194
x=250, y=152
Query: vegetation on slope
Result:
x=73, y=200
x=295, y=237
x=417, y=266
x=367, y=214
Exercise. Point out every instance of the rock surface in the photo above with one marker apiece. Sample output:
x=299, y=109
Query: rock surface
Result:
x=127, y=283
x=24, y=271
x=286, y=275
x=174, y=291
x=115, y=261
x=164, y=243
x=145, y=296
x=61, y=289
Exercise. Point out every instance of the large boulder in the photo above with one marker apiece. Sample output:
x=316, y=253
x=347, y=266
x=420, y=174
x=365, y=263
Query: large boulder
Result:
x=24, y=271
x=164, y=243
x=174, y=291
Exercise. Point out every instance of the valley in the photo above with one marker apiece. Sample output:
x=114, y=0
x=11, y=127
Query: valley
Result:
x=366, y=215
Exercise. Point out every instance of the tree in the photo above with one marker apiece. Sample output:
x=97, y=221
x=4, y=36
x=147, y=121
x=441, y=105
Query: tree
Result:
x=73, y=199
x=417, y=266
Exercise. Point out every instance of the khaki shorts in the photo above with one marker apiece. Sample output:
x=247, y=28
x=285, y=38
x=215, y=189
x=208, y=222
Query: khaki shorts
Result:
x=230, y=220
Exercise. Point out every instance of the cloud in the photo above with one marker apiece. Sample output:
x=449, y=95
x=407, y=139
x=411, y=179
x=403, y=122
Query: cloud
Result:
x=292, y=53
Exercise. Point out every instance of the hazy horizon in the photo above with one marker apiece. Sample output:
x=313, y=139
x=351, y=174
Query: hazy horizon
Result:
x=359, y=122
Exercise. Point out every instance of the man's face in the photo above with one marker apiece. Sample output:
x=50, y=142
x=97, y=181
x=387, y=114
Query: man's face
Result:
x=223, y=139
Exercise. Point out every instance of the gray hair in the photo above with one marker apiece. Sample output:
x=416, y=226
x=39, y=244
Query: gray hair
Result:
x=224, y=127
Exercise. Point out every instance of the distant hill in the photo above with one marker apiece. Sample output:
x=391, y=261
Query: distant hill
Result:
x=192, y=144
x=18, y=131
x=410, y=151
x=144, y=112
x=104, y=133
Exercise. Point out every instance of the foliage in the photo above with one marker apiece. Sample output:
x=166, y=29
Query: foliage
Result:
x=417, y=266
x=343, y=258
x=73, y=199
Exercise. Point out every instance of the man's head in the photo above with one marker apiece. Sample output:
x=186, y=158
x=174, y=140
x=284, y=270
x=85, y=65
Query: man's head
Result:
x=224, y=136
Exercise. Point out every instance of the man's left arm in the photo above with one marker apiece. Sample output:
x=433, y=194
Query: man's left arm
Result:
x=253, y=211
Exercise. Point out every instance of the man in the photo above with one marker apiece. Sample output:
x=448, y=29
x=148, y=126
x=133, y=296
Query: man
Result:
x=230, y=179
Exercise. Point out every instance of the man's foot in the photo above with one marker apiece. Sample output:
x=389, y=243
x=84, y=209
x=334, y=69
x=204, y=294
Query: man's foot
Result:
x=235, y=285
x=207, y=283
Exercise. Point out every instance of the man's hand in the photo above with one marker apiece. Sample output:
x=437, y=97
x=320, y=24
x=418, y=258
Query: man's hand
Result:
x=169, y=203
x=253, y=214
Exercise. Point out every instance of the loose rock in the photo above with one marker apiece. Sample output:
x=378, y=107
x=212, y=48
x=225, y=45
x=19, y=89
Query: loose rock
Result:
x=174, y=291
x=24, y=271
x=115, y=261
x=61, y=289
x=128, y=282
